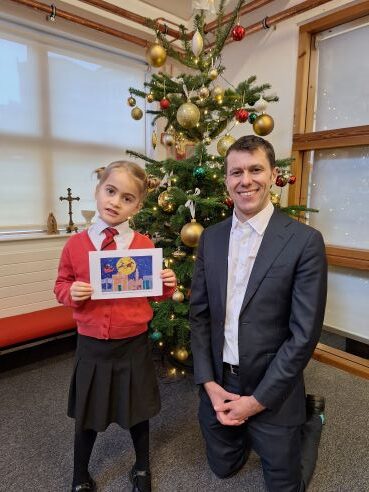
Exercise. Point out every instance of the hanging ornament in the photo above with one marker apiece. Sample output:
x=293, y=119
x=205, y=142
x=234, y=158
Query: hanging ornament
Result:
x=188, y=115
x=238, y=32
x=292, y=180
x=280, y=181
x=197, y=43
x=207, y=140
x=199, y=172
x=204, y=92
x=181, y=354
x=190, y=233
x=252, y=117
x=165, y=201
x=136, y=113
x=178, y=296
x=164, y=103
x=156, y=55
x=154, y=140
x=224, y=143
x=213, y=73
x=260, y=105
x=131, y=101
x=155, y=335
x=179, y=254
x=241, y=115
x=168, y=139
x=275, y=199
x=228, y=201
x=263, y=125
x=217, y=91
x=150, y=97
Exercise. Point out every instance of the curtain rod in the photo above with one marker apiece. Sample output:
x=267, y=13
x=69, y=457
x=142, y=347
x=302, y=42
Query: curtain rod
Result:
x=263, y=24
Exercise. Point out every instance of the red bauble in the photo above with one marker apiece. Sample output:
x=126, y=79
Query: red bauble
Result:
x=292, y=180
x=164, y=103
x=241, y=115
x=281, y=181
x=228, y=201
x=238, y=32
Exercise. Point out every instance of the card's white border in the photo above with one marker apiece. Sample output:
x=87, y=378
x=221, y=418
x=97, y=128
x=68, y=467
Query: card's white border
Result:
x=95, y=278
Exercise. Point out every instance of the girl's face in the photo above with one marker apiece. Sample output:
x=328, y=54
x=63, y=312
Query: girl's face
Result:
x=118, y=198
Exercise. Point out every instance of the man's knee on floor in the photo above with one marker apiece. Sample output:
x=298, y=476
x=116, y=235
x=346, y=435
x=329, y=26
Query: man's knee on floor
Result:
x=224, y=470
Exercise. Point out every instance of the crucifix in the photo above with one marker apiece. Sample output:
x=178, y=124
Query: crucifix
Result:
x=71, y=227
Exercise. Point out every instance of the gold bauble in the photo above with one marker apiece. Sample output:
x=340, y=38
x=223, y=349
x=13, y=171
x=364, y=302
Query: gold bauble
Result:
x=136, y=113
x=217, y=91
x=219, y=99
x=154, y=140
x=178, y=296
x=224, y=143
x=213, y=74
x=263, y=125
x=168, y=139
x=190, y=233
x=150, y=97
x=156, y=55
x=275, y=198
x=204, y=92
x=165, y=201
x=131, y=101
x=188, y=115
x=181, y=354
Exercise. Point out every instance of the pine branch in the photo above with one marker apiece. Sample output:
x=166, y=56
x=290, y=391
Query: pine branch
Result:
x=223, y=33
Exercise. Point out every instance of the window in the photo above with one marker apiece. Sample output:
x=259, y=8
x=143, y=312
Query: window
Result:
x=63, y=113
x=331, y=148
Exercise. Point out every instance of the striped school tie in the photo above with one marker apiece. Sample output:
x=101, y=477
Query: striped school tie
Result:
x=108, y=242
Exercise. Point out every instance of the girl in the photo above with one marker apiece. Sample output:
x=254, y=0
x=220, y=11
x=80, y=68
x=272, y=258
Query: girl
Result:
x=114, y=378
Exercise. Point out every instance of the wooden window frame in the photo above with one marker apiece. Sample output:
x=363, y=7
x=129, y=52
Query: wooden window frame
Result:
x=305, y=140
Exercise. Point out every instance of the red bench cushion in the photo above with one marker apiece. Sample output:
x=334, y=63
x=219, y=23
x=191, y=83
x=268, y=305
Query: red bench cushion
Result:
x=38, y=324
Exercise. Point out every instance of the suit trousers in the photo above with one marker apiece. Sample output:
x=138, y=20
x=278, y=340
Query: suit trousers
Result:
x=280, y=448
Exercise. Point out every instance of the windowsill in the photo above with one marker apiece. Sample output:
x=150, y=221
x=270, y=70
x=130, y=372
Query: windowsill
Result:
x=32, y=235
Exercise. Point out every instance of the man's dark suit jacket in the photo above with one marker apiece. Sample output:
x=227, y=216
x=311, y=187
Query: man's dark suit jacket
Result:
x=280, y=320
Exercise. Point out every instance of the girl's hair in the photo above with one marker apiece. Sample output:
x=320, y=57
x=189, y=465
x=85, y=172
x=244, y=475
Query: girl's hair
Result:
x=144, y=181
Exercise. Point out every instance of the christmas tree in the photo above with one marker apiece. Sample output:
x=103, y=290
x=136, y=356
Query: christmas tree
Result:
x=197, y=107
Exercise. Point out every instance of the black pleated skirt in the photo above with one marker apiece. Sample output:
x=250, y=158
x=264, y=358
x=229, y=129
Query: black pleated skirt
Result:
x=113, y=381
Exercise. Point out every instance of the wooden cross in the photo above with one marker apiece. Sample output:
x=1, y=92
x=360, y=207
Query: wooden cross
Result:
x=71, y=227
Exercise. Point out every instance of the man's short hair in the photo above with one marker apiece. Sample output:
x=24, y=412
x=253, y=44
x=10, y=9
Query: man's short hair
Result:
x=250, y=143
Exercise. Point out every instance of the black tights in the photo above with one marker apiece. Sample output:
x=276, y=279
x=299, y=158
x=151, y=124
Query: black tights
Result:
x=84, y=441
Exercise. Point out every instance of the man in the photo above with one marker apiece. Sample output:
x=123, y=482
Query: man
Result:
x=257, y=306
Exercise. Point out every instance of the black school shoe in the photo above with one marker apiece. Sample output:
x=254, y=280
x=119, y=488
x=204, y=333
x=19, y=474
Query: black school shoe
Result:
x=141, y=480
x=315, y=405
x=89, y=486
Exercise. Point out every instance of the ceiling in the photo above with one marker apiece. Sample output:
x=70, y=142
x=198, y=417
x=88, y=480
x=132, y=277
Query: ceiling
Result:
x=179, y=8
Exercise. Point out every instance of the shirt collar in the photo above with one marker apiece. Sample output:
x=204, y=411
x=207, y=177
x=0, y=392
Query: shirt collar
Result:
x=258, y=222
x=100, y=225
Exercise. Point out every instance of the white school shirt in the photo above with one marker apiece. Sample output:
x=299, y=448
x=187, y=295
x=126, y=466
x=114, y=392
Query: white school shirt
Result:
x=244, y=244
x=123, y=239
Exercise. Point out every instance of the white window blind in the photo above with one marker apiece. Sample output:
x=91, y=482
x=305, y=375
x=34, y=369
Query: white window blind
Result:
x=63, y=113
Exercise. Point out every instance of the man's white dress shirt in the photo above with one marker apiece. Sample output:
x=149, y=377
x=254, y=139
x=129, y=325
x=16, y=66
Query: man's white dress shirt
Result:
x=244, y=244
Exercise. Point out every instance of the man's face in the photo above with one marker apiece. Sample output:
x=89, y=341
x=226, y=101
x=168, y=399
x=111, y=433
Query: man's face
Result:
x=248, y=180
